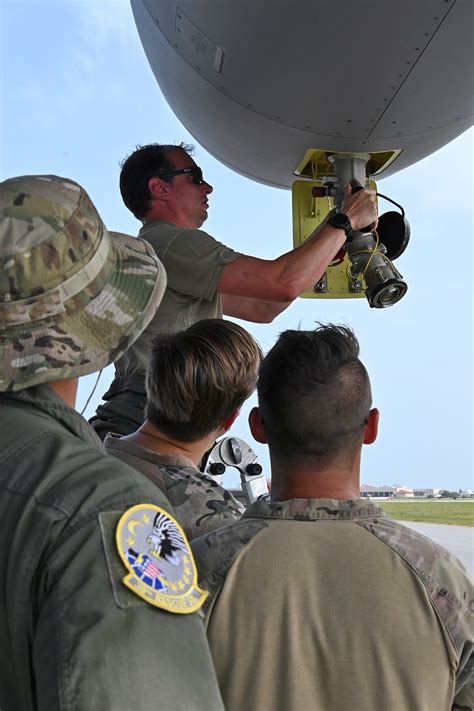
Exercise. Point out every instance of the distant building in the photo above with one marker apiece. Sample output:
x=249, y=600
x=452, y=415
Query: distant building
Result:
x=427, y=492
x=404, y=492
x=377, y=492
x=367, y=491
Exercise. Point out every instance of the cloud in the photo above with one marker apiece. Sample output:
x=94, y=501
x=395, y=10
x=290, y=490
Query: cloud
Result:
x=101, y=22
x=101, y=36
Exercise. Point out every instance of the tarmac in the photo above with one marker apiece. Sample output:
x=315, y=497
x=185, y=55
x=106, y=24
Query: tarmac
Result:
x=457, y=539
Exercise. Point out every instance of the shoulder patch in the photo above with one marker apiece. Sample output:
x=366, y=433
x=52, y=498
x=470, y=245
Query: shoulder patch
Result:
x=154, y=549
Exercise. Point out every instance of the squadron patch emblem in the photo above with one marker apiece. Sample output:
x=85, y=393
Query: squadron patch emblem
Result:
x=154, y=549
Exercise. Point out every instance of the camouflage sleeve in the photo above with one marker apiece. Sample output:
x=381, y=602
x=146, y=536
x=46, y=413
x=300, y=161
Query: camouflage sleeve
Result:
x=464, y=694
x=200, y=504
x=215, y=552
x=449, y=589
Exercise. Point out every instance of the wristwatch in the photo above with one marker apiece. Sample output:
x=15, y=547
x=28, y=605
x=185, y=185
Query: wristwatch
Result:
x=341, y=222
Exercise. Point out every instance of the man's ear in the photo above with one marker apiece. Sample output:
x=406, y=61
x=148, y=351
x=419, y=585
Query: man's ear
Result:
x=372, y=426
x=256, y=426
x=229, y=421
x=159, y=188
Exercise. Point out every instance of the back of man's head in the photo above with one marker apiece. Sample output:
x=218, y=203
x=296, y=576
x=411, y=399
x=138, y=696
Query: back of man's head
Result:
x=73, y=296
x=198, y=377
x=139, y=167
x=314, y=395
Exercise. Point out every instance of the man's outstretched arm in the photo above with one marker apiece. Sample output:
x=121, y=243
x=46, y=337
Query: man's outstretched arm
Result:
x=256, y=310
x=281, y=280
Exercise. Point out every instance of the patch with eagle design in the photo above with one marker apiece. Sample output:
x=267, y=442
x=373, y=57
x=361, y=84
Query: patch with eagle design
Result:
x=155, y=551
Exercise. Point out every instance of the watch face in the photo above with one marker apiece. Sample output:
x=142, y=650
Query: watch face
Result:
x=341, y=221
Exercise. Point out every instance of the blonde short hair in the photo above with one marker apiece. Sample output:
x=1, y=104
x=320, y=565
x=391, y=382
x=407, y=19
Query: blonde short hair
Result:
x=197, y=377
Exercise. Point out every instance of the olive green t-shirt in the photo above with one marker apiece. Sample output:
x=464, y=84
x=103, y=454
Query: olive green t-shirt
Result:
x=194, y=262
x=333, y=606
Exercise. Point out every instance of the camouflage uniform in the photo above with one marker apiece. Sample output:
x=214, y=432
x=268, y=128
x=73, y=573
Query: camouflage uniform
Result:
x=200, y=504
x=73, y=636
x=319, y=603
x=73, y=296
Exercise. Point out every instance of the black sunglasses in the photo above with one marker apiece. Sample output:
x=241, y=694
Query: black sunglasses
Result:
x=194, y=170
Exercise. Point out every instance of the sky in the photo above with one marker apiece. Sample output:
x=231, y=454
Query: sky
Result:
x=77, y=96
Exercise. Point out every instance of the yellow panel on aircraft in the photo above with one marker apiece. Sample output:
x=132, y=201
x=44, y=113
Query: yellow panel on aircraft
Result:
x=308, y=213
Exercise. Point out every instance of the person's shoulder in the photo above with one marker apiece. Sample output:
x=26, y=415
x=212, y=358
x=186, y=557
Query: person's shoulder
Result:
x=33, y=438
x=191, y=480
x=430, y=559
x=215, y=551
x=164, y=235
x=200, y=503
x=18, y=408
x=165, y=231
x=66, y=467
x=106, y=483
x=443, y=575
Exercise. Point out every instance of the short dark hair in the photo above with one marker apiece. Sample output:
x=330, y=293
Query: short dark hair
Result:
x=136, y=170
x=197, y=377
x=314, y=393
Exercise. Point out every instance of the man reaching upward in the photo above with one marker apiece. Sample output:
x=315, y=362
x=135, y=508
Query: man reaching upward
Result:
x=166, y=191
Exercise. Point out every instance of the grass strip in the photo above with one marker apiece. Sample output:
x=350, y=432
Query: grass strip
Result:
x=455, y=513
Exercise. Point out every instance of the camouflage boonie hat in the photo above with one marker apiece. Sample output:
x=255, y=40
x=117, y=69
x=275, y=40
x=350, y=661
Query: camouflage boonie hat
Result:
x=73, y=296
